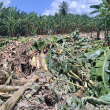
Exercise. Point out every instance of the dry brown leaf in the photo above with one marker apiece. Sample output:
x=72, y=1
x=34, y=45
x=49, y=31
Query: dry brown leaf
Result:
x=20, y=81
x=24, y=103
x=17, y=43
x=3, y=76
x=80, y=92
x=31, y=52
x=5, y=64
x=18, y=73
x=44, y=62
x=33, y=61
x=5, y=96
x=37, y=62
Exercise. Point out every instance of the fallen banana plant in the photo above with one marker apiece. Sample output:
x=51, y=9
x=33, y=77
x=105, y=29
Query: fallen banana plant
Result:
x=8, y=80
x=44, y=62
x=39, y=61
x=76, y=76
x=69, y=83
x=10, y=103
x=4, y=88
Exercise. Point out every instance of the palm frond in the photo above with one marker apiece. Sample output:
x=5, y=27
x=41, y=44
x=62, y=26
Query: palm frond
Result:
x=95, y=6
x=95, y=11
x=1, y=4
x=63, y=8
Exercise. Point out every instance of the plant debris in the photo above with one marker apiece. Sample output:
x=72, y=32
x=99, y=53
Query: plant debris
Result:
x=61, y=73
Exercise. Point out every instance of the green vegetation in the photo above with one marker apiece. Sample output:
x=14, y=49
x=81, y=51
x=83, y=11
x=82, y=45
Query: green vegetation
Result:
x=64, y=72
x=80, y=63
x=104, y=10
x=63, y=8
x=15, y=23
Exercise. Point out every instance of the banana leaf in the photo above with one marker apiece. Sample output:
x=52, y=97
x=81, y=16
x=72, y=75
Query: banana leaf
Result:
x=40, y=44
x=94, y=100
x=102, y=69
x=94, y=54
x=59, y=39
x=105, y=99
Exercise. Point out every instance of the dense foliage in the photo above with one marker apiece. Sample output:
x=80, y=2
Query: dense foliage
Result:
x=15, y=23
x=104, y=10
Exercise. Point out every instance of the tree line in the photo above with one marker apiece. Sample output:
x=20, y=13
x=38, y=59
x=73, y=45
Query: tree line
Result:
x=15, y=23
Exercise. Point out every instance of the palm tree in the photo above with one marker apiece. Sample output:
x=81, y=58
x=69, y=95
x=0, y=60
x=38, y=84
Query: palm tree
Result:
x=63, y=8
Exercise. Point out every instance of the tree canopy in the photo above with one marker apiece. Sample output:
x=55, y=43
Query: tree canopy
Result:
x=63, y=8
x=14, y=23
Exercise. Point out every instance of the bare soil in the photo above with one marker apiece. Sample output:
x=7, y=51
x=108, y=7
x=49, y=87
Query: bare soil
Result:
x=86, y=35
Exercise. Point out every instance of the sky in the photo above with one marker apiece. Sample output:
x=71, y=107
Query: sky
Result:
x=46, y=7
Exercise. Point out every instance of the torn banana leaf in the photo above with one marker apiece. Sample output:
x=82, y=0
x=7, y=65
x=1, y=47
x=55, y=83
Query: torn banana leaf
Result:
x=102, y=100
x=94, y=54
x=102, y=69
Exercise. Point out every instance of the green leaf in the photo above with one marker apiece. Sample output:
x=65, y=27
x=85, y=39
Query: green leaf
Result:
x=93, y=71
x=41, y=45
x=95, y=11
x=105, y=98
x=94, y=54
x=63, y=107
x=38, y=100
x=103, y=91
x=102, y=65
x=68, y=101
x=82, y=58
x=33, y=47
x=59, y=39
x=94, y=100
x=95, y=6
x=55, y=38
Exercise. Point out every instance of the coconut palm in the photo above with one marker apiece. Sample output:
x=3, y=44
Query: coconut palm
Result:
x=63, y=8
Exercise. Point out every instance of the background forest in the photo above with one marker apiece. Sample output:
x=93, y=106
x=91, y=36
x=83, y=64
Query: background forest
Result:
x=13, y=22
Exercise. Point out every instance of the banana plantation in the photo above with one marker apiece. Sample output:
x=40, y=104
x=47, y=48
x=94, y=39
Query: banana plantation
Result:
x=16, y=23
x=45, y=64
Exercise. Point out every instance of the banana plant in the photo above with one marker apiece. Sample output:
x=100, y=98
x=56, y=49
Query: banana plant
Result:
x=13, y=22
x=104, y=10
x=101, y=66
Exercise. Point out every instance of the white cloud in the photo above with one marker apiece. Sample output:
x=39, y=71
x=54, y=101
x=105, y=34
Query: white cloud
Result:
x=73, y=4
x=76, y=6
x=82, y=6
x=6, y=2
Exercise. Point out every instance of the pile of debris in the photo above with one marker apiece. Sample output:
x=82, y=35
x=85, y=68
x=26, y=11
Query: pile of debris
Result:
x=24, y=77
